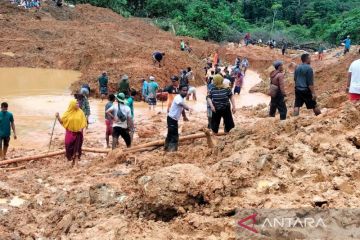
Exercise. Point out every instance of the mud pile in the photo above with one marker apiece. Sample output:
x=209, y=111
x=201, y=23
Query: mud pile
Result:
x=196, y=192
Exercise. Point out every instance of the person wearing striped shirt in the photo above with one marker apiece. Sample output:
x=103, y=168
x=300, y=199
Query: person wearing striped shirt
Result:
x=222, y=104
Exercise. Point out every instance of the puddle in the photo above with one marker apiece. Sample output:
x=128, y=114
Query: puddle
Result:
x=34, y=81
x=34, y=95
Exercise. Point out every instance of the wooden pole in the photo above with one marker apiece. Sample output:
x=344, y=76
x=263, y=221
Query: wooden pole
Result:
x=143, y=147
x=29, y=158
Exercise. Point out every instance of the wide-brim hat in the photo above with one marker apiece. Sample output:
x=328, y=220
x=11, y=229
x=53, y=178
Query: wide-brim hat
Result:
x=120, y=97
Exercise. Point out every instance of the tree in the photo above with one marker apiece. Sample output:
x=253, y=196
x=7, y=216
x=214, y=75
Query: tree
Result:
x=275, y=7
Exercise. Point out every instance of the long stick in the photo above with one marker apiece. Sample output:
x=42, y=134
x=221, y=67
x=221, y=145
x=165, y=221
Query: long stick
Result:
x=138, y=148
x=52, y=133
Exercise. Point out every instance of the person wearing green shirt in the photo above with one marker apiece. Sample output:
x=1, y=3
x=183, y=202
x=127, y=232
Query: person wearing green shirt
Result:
x=182, y=45
x=103, y=85
x=6, y=121
x=124, y=86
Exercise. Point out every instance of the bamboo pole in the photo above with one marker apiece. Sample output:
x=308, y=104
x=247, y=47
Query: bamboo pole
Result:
x=139, y=148
x=29, y=158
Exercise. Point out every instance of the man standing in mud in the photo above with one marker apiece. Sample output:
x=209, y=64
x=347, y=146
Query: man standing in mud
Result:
x=6, y=121
x=353, y=83
x=103, y=85
x=304, y=86
x=177, y=107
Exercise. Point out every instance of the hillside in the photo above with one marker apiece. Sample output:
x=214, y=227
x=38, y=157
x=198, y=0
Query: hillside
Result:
x=199, y=192
x=90, y=40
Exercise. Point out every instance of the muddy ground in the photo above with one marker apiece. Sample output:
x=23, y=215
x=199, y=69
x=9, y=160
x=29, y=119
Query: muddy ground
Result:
x=196, y=193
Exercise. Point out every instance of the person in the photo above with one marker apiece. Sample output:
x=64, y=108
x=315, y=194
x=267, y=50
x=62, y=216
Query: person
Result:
x=173, y=91
x=158, y=57
x=239, y=80
x=218, y=100
x=278, y=101
x=184, y=78
x=187, y=46
x=122, y=122
x=176, y=109
x=245, y=65
x=6, y=124
x=144, y=89
x=182, y=45
x=74, y=122
x=83, y=103
x=209, y=86
x=108, y=120
x=283, y=49
x=124, y=85
x=103, y=85
x=247, y=39
x=216, y=58
x=209, y=65
x=85, y=89
x=192, y=90
x=321, y=52
x=237, y=61
x=347, y=42
x=304, y=86
x=130, y=101
x=152, y=89
x=271, y=44
x=353, y=83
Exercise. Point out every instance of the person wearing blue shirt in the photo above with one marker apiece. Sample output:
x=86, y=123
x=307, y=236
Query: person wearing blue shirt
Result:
x=6, y=121
x=347, y=42
x=144, y=90
x=151, y=91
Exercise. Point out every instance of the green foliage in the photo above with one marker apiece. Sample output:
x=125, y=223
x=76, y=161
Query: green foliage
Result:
x=228, y=20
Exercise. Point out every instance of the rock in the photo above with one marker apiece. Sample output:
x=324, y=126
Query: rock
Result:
x=319, y=201
x=16, y=202
x=177, y=185
x=262, y=160
x=104, y=194
x=64, y=225
x=342, y=183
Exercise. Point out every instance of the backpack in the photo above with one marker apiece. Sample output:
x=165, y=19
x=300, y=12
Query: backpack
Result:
x=121, y=116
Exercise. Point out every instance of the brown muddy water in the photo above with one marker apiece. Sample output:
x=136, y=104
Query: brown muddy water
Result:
x=35, y=95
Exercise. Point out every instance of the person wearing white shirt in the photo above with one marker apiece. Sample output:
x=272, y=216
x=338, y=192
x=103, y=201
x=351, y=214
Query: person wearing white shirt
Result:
x=353, y=83
x=122, y=121
x=174, y=115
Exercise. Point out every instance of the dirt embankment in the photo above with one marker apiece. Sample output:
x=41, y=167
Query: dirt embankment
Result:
x=91, y=40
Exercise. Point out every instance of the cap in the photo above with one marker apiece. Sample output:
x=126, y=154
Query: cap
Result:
x=125, y=77
x=152, y=78
x=277, y=64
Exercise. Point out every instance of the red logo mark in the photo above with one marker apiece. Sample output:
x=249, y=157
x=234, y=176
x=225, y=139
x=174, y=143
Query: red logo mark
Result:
x=251, y=217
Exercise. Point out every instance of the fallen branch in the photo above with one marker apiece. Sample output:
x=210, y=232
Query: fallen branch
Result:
x=13, y=168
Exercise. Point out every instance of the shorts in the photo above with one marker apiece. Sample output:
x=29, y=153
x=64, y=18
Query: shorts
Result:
x=103, y=90
x=124, y=133
x=109, y=128
x=5, y=140
x=151, y=101
x=304, y=96
x=237, y=89
x=354, y=97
